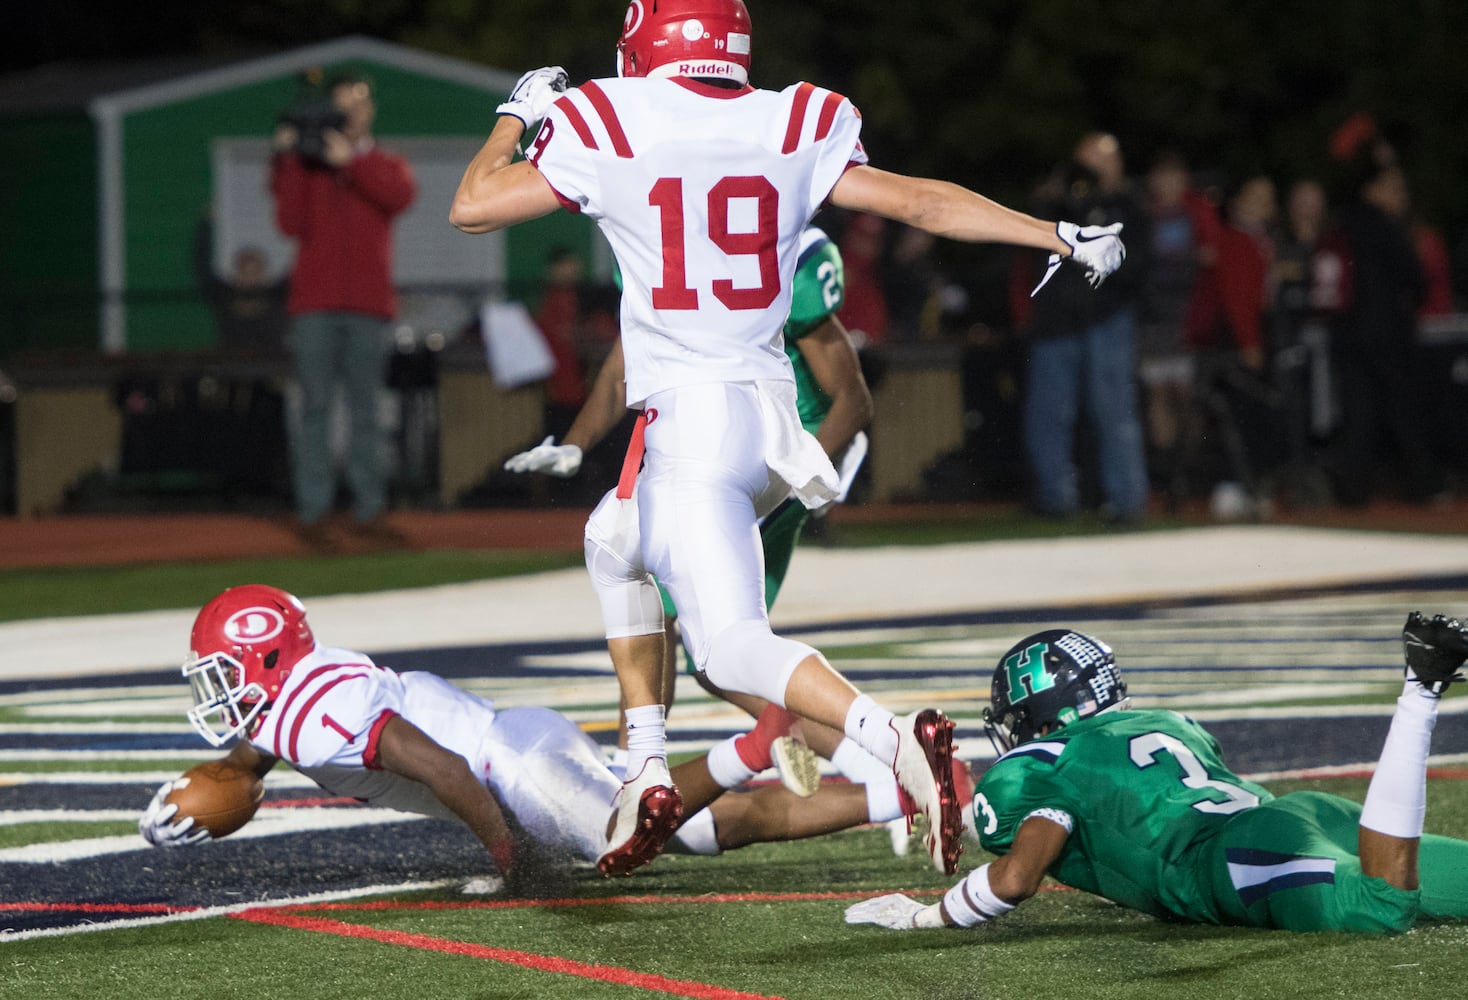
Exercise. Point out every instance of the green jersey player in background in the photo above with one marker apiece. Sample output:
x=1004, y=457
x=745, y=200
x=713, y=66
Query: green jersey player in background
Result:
x=1139, y=807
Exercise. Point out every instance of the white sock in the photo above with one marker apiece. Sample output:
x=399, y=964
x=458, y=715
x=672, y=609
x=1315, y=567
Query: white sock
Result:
x=647, y=736
x=856, y=765
x=1396, y=799
x=883, y=805
x=870, y=725
x=725, y=765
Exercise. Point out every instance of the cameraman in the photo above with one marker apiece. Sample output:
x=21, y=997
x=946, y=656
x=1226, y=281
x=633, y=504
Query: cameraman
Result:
x=337, y=194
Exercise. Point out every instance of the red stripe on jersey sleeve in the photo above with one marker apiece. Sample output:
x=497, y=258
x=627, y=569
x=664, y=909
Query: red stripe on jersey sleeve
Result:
x=374, y=736
x=828, y=115
x=797, y=117
x=305, y=711
x=573, y=115
x=279, y=711
x=608, y=115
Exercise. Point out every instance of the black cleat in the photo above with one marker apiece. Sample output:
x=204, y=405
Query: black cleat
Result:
x=1435, y=648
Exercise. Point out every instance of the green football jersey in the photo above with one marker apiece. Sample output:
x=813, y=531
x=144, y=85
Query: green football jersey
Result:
x=818, y=290
x=1145, y=790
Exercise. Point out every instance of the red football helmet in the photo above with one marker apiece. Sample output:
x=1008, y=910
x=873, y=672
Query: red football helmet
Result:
x=698, y=38
x=244, y=645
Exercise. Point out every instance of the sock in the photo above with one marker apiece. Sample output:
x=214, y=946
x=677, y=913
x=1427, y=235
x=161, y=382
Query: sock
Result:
x=870, y=725
x=647, y=736
x=754, y=746
x=726, y=765
x=1396, y=799
x=856, y=765
x=883, y=804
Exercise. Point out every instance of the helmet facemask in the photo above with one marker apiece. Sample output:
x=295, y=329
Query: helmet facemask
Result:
x=224, y=705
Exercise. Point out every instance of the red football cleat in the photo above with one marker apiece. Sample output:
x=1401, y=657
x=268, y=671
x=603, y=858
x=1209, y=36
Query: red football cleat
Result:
x=639, y=831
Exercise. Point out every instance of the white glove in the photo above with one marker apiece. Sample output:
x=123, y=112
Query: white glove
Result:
x=560, y=460
x=895, y=912
x=534, y=94
x=1096, y=248
x=154, y=824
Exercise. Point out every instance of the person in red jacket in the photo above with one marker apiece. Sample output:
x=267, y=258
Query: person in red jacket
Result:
x=337, y=194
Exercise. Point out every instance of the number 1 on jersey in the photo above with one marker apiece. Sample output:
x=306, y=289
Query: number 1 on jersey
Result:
x=674, y=293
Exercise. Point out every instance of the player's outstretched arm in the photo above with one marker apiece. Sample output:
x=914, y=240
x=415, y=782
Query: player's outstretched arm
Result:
x=985, y=893
x=955, y=212
x=405, y=749
x=943, y=209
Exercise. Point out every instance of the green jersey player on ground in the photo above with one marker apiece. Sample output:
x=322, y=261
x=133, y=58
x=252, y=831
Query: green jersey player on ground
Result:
x=1139, y=807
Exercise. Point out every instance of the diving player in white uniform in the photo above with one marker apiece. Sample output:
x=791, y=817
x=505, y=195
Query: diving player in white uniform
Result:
x=703, y=186
x=527, y=781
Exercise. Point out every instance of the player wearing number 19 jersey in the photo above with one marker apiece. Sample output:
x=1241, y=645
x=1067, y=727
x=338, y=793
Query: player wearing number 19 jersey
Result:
x=702, y=185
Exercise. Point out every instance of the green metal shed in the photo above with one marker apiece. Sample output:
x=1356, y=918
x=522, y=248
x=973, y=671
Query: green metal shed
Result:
x=107, y=206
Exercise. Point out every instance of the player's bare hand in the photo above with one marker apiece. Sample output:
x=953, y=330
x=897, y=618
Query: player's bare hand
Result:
x=157, y=825
x=560, y=460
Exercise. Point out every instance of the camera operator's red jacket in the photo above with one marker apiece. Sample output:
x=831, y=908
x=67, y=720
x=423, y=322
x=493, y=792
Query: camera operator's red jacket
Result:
x=342, y=222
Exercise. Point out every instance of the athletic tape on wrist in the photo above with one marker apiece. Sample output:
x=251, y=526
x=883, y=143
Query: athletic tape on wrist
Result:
x=972, y=901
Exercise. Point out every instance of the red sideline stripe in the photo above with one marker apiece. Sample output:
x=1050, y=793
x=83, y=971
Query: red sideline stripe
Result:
x=524, y=959
x=94, y=908
x=797, y=117
x=608, y=115
x=309, y=803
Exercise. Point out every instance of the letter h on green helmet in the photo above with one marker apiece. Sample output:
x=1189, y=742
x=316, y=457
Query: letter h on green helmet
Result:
x=1048, y=680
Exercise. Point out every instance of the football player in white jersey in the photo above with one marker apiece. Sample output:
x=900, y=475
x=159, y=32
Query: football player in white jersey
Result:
x=521, y=778
x=703, y=185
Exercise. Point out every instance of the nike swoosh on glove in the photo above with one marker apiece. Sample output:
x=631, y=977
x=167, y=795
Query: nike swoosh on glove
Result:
x=1098, y=249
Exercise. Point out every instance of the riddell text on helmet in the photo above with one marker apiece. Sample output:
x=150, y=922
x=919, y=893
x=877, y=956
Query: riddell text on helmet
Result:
x=706, y=69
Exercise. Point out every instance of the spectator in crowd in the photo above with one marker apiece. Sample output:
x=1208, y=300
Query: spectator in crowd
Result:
x=1370, y=282
x=1180, y=222
x=1082, y=347
x=558, y=318
x=1227, y=332
x=249, y=307
x=865, y=312
x=337, y=196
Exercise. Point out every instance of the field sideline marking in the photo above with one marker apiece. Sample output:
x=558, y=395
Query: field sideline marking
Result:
x=204, y=912
x=528, y=960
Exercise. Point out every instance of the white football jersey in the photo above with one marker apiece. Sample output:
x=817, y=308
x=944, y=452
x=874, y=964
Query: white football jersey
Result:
x=703, y=194
x=333, y=706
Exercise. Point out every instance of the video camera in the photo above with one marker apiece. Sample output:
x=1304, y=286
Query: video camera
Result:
x=311, y=114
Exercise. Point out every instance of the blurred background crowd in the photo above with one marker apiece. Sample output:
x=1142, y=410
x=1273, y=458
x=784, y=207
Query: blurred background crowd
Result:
x=1289, y=330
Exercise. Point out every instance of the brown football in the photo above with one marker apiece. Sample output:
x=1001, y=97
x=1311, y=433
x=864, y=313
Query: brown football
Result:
x=220, y=797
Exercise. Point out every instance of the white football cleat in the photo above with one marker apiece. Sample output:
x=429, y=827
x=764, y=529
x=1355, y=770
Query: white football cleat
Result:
x=645, y=813
x=924, y=770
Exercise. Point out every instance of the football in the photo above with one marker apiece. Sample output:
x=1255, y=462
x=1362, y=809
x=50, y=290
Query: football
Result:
x=221, y=798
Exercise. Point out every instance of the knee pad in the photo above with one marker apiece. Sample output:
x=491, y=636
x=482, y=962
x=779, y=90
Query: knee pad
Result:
x=749, y=658
x=630, y=603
